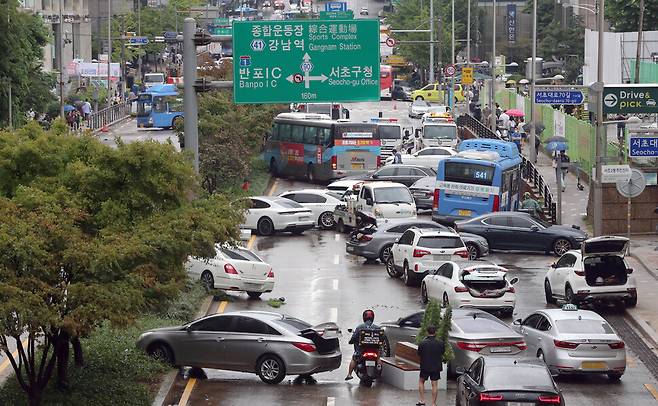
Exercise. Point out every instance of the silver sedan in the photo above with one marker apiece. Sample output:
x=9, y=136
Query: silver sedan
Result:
x=473, y=333
x=268, y=344
x=574, y=341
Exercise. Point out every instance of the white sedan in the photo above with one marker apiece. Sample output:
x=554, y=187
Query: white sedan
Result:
x=470, y=284
x=321, y=202
x=233, y=268
x=428, y=157
x=267, y=215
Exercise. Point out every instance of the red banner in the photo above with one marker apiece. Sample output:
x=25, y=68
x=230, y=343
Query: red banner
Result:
x=292, y=153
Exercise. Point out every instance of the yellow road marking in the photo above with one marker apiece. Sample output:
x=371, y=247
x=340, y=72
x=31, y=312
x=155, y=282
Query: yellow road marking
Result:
x=251, y=242
x=6, y=362
x=192, y=381
x=273, y=187
x=652, y=390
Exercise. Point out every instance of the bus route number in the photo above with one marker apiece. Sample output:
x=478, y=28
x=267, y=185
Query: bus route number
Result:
x=480, y=175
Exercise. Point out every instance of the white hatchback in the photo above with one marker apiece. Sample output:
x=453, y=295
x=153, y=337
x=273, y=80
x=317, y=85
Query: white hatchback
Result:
x=597, y=273
x=233, y=268
x=321, y=202
x=419, y=251
x=470, y=284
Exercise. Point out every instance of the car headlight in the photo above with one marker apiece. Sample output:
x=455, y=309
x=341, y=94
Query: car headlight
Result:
x=378, y=212
x=580, y=239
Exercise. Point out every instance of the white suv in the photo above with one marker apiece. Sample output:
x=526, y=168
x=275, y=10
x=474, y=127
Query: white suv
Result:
x=419, y=251
x=596, y=273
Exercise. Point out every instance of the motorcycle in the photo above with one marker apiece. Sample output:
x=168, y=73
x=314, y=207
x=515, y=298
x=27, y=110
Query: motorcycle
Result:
x=368, y=366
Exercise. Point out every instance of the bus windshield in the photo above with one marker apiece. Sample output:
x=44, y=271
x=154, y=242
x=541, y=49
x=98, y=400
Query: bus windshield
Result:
x=440, y=131
x=389, y=132
x=464, y=172
x=144, y=104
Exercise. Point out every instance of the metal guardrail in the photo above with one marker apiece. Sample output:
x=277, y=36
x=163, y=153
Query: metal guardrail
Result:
x=107, y=116
x=529, y=171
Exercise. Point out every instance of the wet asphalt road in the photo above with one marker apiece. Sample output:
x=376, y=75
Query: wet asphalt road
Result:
x=128, y=132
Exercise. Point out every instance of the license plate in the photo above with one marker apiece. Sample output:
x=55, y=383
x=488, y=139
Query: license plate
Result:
x=496, y=350
x=358, y=166
x=516, y=404
x=370, y=363
x=250, y=286
x=464, y=213
x=594, y=365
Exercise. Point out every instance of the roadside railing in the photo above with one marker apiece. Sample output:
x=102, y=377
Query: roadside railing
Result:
x=529, y=171
x=103, y=117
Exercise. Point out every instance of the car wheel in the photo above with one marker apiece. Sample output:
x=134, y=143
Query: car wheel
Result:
x=423, y=294
x=340, y=226
x=458, y=401
x=473, y=251
x=265, y=226
x=271, y=369
x=420, y=98
x=310, y=177
x=614, y=377
x=569, y=296
x=327, y=220
x=548, y=292
x=632, y=302
x=254, y=295
x=561, y=246
x=386, y=347
x=540, y=355
x=385, y=254
x=207, y=280
x=273, y=169
x=445, y=302
x=390, y=268
x=406, y=275
x=367, y=382
x=162, y=352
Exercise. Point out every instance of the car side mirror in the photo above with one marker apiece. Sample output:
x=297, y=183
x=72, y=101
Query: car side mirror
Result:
x=534, y=227
x=397, y=240
x=461, y=370
x=369, y=201
x=514, y=281
x=554, y=265
x=517, y=322
x=349, y=330
x=375, y=176
x=188, y=328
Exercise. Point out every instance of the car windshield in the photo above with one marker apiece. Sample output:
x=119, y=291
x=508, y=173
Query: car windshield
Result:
x=516, y=377
x=393, y=195
x=440, y=242
x=335, y=195
x=390, y=132
x=292, y=324
x=583, y=326
x=480, y=325
x=149, y=78
x=440, y=131
x=239, y=254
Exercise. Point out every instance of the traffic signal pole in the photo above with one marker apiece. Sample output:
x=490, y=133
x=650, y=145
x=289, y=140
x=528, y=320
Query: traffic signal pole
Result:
x=191, y=104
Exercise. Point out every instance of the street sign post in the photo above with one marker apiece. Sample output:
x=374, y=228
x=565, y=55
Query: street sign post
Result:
x=558, y=96
x=335, y=6
x=615, y=173
x=450, y=71
x=138, y=41
x=640, y=146
x=467, y=75
x=630, y=99
x=337, y=15
x=306, y=61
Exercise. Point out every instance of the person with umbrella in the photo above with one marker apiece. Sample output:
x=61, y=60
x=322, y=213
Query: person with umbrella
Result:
x=560, y=159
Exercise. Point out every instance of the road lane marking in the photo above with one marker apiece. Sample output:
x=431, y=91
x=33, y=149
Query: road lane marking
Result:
x=335, y=284
x=192, y=381
x=333, y=315
x=651, y=390
x=273, y=187
x=336, y=259
x=331, y=401
x=14, y=353
x=251, y=242
x=337, y=237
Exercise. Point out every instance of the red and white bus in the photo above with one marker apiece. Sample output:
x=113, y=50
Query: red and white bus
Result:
x=386, y=81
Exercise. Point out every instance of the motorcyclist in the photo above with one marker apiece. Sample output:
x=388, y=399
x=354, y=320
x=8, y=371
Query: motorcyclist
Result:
x=368, y=324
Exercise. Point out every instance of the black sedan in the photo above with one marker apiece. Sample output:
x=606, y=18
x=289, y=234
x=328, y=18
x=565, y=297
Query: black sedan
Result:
x=400, y=173
x=423, y=192
x=521, y=232
x=507, y=381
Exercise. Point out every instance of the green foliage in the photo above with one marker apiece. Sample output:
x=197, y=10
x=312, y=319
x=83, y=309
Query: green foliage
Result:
x=624, y=15
x=22, y=38
x=276, y=303
x=433, y=317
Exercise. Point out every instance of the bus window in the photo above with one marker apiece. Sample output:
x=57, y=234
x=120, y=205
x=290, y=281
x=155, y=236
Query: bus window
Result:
x=143, y=105
x=324, y=136
x=505, y=185
x=310, y=135
x=297, y=134
x=284, y=132
x=515, y=181
x=274, y=133
x=175, y=104
x=159, y=104
x=469, y=173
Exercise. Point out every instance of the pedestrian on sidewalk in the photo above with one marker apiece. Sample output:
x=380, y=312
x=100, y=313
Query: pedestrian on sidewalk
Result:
x=430, y=351
x=561, y=164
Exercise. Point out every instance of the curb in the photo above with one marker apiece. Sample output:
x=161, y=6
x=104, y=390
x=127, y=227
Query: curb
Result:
x=645, y=266
x=649, y=335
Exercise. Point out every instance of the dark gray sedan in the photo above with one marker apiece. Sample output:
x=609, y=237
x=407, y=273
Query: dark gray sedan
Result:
x=400, y=173
x=268, y=344
x=375, y=241
x=423, y=192
x=521, y=232
x=473, y=333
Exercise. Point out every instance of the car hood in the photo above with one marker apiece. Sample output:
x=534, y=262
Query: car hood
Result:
x=164, y=329
x=570, y=231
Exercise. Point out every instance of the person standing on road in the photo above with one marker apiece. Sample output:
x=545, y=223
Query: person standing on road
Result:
x=397, y=158
x=430, y=351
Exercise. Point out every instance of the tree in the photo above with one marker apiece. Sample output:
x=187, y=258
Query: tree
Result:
x=22, y=39
x=432, y=317
x=92, y=234
x=625, y=15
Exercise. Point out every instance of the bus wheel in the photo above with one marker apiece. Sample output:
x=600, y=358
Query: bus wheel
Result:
x=175, y=122
x=273, y=170
x=310, y=176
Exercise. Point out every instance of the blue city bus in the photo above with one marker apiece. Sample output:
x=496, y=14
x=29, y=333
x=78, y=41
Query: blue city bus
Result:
x=160, y=106
x=483, y=177
x=314, y=147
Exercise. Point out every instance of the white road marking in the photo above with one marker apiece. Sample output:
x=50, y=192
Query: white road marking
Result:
x=336, y=259
x=335, y=284
x=333, y=315
x=331, y=401
x=337, y=237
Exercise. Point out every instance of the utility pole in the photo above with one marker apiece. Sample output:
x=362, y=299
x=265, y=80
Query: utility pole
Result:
x=60, y=61
x=432, y=80
x=468, y=32
x=492, y=99
x=109, y=52
x=139, y=33
x=533, y=65
x=452, y=60
x=600, y=133
x=638, y=53
x=191, y=108
x=123, y=56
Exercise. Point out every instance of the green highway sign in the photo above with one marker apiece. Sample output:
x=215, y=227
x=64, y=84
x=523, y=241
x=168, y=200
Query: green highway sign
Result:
x=221, y=31
x=630, y=99
x=222, y=22
x=337, y=15
x=306, y=61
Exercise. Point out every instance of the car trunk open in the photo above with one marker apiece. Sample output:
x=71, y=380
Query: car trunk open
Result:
x=324, y=336
x=485, y=282
x=609, y=270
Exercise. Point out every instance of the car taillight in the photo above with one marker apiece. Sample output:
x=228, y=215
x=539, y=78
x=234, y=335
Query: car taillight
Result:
x=435, y=203
x=334, y=162
x=485, y=397
x=511, y=289
x=365, y=237
x=629, y=271
x=379, y=161
x=476, y=347
x=463, y=254
x=305, y=347
x=580, y=273
x=461, y=289
x=565, y=344
x=617, y=346
x=551, y=399
x=496, y=203
x=370, y=355
x=270, y=274
x=228, y=268
x=420, y=253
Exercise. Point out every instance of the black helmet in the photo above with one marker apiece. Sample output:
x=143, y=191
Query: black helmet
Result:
x=368, y=315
